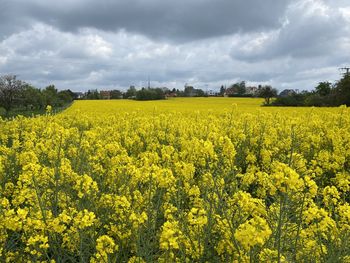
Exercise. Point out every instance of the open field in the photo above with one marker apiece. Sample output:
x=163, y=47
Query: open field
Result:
x=179, y=180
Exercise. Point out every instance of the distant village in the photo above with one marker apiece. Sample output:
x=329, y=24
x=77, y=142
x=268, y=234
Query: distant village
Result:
x=235, y=90
x=17, y=96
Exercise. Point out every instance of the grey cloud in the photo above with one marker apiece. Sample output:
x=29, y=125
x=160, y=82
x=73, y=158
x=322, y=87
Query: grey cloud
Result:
x=168, y=20
x=83, y=44
x=311, y=35
x=10, y=19
x=311, y=29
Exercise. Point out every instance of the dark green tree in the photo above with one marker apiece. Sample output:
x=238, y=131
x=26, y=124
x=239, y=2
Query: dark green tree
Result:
x=72, y=94
x=150, y=94
x=200, y=93
x=130, y=93
x=342, y=90
x=323, y=88
x=64, y=97
x=238, y=88
x=222, y=90
x=241, y=88
x=32, y=98
x=92, y=95
x=267, y=92
x=116, y=94
x=189, y=91
x=50, y=95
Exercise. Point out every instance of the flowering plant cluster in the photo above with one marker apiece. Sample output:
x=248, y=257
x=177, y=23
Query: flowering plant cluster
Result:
x=183, y=180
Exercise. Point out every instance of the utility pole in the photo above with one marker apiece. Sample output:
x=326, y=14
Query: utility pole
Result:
x=149, y=82
x=346, y=69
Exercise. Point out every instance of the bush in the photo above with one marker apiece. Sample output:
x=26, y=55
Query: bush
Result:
x=291, y=100
x=150, y=94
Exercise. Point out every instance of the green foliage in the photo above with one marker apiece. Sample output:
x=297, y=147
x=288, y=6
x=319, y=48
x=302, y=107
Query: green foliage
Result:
x=291, y=100
x=240, y=87
x=130, y=93
x=116, y=94
x=267, y=92
x=324, y=88
x=32, y=98
x=342, y=91
x=51, y=96
x=150, y=94
x=222, y=90
x=64, y=97
x=92, y=95
x=314, y=99
x=10, y=88
x=324, y=95
x=18, y=97
x=190, y=91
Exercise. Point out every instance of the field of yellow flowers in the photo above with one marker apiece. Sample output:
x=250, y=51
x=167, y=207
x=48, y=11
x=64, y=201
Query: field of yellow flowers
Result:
x=180, y=180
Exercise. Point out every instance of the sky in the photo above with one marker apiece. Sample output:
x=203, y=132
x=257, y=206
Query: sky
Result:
x=112, y=44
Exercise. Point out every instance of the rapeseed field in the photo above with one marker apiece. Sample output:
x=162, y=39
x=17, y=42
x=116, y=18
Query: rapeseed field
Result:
x=180, y=180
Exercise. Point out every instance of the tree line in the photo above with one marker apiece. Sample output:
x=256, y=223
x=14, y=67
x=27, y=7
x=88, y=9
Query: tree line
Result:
x=19, y=95
x=235, y=90
x=131, y=93
x=324, y=94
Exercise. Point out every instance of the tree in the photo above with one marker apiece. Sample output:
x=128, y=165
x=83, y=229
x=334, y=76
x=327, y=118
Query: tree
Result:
x=241, y=88
x=200, y=93
x=342, y=90
x=93, y=95
x=189, y=91
x=150, y=94
x=222, y=90
x=64, y=96
x=130, y=93
x=10, y=88
x=116, y=94
x=31, y=97
x=293, y=99
x=72, y=94
x=50, y=96
x=324, y=88
x=267, y=92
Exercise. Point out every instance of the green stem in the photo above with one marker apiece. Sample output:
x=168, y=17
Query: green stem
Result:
x=299, y=226
x=279, y=229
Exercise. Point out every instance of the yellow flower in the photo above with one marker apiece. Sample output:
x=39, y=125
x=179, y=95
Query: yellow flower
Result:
x=85, y=185
x=285, y=179
x=37, y=244
x=84, y=219
x=192, y=181
x=197, y=216
x=253, y=232
x=138, y=219
x=48, y=108
x=170, y=236
x=105, y=245
x=330, y=195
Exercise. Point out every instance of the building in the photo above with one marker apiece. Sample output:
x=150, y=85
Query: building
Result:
x=287, y=92
x=170, y=94
x=105, y=94
x=230, y=91
x=251, y=90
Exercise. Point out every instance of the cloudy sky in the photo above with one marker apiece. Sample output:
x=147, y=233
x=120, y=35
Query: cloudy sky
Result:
x=106, y=44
